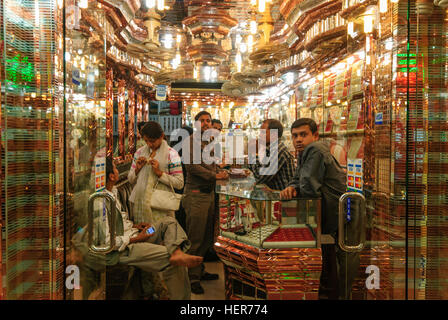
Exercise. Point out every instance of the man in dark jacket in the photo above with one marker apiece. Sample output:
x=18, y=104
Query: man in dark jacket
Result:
x=199, y=200
x=319, y=175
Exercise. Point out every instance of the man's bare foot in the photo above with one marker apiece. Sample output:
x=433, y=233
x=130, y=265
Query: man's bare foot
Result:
x=180, y=258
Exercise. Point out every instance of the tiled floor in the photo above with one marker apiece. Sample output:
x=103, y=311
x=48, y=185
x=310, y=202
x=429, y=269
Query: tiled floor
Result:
x=214, y=289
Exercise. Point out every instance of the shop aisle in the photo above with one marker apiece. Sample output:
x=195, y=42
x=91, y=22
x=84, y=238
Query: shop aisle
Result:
x=214, y=290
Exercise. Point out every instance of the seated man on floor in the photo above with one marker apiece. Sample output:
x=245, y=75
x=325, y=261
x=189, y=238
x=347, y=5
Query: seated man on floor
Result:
x=135, y=247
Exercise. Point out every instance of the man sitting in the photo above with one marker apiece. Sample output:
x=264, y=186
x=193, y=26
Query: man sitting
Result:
x=138, y=248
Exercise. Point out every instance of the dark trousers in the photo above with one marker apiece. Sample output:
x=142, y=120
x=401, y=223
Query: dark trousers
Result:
x=339, y=269
x=200, y=212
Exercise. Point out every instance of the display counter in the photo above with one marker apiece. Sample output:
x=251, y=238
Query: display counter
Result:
x=270, y=247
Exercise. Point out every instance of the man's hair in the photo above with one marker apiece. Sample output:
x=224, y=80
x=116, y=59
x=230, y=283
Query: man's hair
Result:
x=152, y=130
x=275, y=124
x=109, y=167
x=305, y=122
x=216, y=121
x=200, y=114
x=140, y=125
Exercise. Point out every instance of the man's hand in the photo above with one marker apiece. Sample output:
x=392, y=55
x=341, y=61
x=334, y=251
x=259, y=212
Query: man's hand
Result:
x=288, y=193
x=142, y=236
x=222, y=165
x=222, y=175
x=142, y=226
x=139, y=164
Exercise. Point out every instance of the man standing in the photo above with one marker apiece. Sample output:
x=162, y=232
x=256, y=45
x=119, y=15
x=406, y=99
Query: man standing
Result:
x=320, y=175
x=278, y=174
x=199, y=201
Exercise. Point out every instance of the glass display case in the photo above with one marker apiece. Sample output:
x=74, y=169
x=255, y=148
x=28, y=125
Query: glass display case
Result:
x=270, y=248
x=255, y=215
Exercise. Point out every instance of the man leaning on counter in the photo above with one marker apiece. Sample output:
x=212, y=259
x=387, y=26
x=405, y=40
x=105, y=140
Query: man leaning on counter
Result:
x=318, y=174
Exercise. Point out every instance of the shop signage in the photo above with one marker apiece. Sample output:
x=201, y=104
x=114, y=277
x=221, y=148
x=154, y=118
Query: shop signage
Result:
x=379, y=118
x=100, y=174
x=161, y=92
x=90, y=85
x=354, y=175
x=76, y=78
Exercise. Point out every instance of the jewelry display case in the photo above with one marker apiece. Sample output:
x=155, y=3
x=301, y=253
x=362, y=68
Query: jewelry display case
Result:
x=270, y=247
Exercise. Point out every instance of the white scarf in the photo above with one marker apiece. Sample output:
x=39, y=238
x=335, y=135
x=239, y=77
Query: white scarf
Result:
x=142, y=197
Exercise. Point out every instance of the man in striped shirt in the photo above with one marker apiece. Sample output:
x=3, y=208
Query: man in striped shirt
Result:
x=278, y=172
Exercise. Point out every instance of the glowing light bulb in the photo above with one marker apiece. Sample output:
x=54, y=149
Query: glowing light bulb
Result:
x=350, y=27
x=261, y=5
x=207, y=73
x=83, y=4
x=214, y=74
x=253, y=27
x=150, y=3
x=83, y=64
x=168, y=41
x=161, y=5
x=238, y=39
x=250, y=42
x=195, y=73
x=367, y=44
x=36, y=12
x=238, y=61
x=368, y=21
x=383, y=6
x=350, y=61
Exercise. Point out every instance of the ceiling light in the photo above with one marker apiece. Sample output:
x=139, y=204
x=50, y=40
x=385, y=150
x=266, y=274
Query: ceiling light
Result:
x=250, y=42
x=238, y=39
x=350, y=27
x=83, y=4
x=383, y=6
x=253, y=26
x=261, y=5
x=168, y=43
x=150, y=4
x=195, y=73
x=368, y=21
